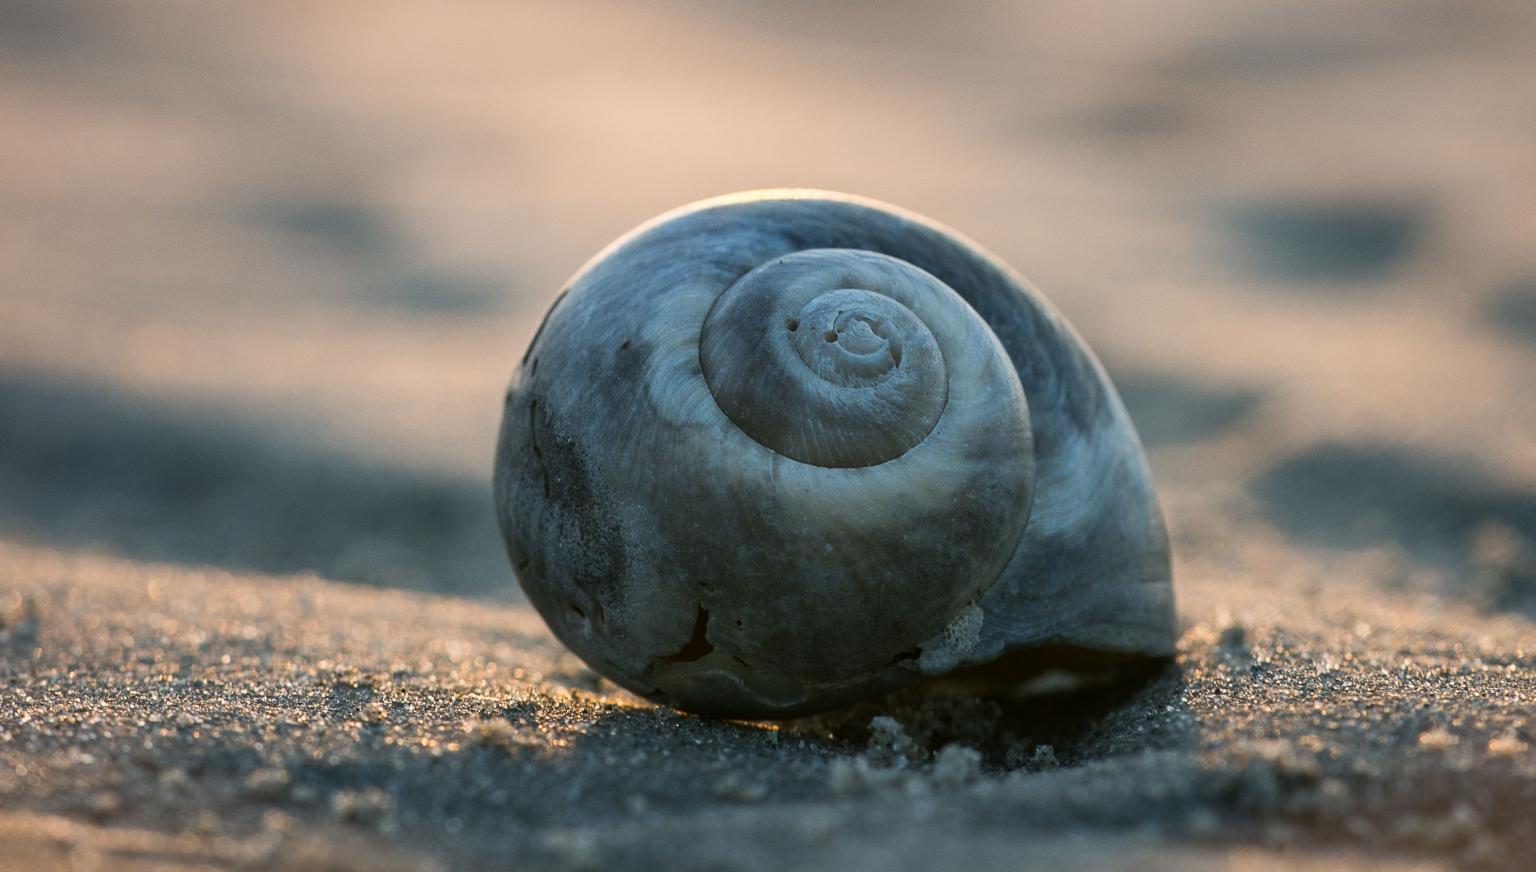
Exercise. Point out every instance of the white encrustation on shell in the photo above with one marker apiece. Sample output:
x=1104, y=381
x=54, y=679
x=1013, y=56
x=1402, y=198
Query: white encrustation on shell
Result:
x=777, y=451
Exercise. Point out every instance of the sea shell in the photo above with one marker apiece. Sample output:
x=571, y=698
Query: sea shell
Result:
x=777, y=451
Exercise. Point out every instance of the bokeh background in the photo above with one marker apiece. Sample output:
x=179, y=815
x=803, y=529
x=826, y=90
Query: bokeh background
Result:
x=265, y=268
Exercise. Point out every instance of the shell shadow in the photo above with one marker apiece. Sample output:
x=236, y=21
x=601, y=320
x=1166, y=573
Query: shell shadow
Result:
x=1049, y=720
x=603, y=762
x=85, y=465
x=1440, y=510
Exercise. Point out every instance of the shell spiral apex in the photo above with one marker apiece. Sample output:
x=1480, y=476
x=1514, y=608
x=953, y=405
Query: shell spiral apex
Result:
x=775, y=452
x=830, y=337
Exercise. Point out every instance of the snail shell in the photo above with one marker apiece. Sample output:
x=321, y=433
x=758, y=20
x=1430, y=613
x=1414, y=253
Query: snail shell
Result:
x=781, y=450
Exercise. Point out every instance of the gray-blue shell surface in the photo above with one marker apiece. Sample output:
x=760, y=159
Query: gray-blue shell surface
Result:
x=778, y=451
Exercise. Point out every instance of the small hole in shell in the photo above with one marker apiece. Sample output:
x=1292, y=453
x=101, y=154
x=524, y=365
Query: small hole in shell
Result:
x=698, y=645
x=830, y=336
x=794, y=324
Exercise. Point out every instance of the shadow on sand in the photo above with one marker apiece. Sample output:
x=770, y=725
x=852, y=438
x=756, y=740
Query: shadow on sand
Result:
x=1436, y=508
x=1169, y=409
x=1513, y=309
x=86, y=465
x=1324, y=246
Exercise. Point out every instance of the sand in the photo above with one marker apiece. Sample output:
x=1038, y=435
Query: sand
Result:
x=264, y=272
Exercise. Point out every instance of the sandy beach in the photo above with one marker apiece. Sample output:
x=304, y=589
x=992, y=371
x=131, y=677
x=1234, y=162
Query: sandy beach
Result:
x=265, y=271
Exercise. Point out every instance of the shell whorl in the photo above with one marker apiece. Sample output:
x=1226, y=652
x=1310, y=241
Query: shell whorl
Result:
x=824, y=357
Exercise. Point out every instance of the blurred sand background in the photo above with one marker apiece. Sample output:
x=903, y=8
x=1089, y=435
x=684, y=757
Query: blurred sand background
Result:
x=265, y=269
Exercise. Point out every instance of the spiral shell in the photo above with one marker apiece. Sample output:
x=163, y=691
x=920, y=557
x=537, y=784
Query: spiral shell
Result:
x=777, y=451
